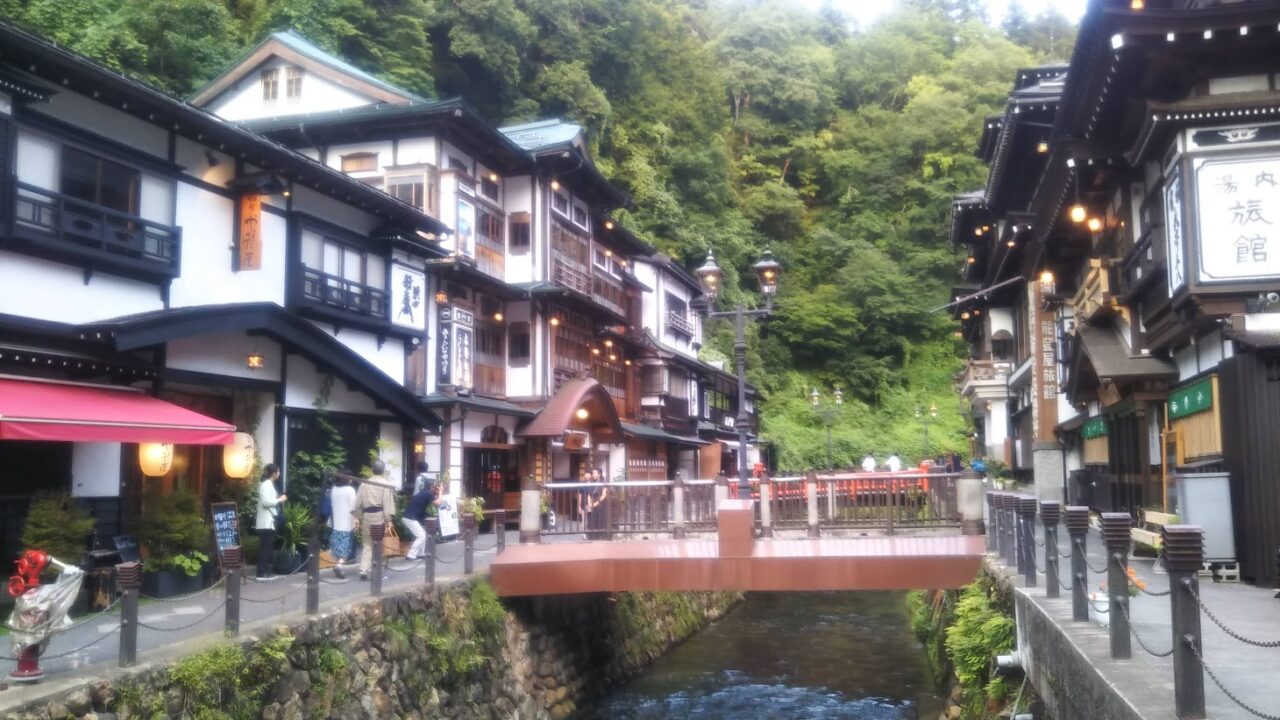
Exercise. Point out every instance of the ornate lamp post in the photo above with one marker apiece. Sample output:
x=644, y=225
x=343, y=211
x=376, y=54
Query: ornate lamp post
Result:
x=710, y=275
x=925, y=422
x=828, y=414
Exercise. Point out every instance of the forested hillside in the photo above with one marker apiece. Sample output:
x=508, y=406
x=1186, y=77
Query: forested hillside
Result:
x=734, y=125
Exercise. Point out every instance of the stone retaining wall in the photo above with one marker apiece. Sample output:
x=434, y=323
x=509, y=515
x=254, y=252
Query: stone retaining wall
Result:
x=454, y=652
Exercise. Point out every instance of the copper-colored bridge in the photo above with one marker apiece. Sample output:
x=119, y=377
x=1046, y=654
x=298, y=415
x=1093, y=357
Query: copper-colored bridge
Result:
x=736, y=558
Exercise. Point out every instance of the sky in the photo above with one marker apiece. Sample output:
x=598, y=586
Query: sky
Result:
x=866, y=11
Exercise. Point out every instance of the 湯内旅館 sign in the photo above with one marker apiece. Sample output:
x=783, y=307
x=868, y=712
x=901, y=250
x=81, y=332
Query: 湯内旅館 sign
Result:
x=1238, y=218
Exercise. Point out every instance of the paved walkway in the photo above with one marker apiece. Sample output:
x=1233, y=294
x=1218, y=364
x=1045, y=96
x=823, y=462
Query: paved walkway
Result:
x=1247, y=671
x=170, y=622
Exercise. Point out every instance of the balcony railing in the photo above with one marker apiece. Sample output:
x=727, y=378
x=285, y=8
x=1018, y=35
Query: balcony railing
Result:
x=680, y=323
x=607, y=290
x=491, y=257
x=73, y=226
x=985, y=372
x=569, y=273
x=337, y=292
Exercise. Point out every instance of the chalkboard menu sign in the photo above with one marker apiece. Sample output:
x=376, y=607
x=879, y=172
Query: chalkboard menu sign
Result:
x=226, y=525
x=127, y=547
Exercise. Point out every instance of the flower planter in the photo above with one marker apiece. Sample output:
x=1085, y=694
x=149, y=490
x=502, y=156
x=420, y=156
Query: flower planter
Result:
x=170, y=583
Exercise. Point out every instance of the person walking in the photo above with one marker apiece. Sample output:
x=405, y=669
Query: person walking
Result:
x=342, y=538
x=415, y=513
x=268, y=512
x=375, y=504
x=894, y=463
x=868, y=464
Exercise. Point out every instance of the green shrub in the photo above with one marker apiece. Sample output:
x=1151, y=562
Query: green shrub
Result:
x=58, y=526
x=980, y=631
x=174, y=532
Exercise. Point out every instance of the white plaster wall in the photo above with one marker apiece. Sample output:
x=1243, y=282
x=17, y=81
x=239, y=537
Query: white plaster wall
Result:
x=996, y=426
x=208, y=229
x=327, y=208
x=1002, y=319
x=104, y=120
x=391, y=437
x=476, y=422
x=243, y=100
x=194, y=158
x=95, y=469
x=1186, y=358
x=155, y=201
x=37, y=159
x=333, y=156
x=652, y=302
x=1210, y=349
x=47, y=290
x=449, y=151
x=389, y=358
x=224, y=354
x=421, y=150
x=304, y=385
x=520, y=380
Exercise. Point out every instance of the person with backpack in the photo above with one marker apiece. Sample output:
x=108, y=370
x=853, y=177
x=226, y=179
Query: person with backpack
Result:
x=415, y=513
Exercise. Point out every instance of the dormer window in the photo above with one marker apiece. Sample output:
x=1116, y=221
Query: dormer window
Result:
x=293, y=82
x=270, y=84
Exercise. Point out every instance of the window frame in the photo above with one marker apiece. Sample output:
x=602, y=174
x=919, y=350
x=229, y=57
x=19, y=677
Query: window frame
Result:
x=99, y=162
x=362, y=155
x=293, y=77
x=519, y=337
x=269, y=81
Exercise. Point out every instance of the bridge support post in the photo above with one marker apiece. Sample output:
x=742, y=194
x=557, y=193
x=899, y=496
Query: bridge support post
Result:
x=969, y=497
x=1027, y=539
x=1077, y=521
x=530, y=511
x=766, y=505
x=1183, y=555
x=993, y=523
x=1115, y=535
x=811, y=494
x=722, y=489
x=1050, y=514
x=677, y=512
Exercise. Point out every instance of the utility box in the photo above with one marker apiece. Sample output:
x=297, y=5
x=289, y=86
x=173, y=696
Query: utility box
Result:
x=1204, y=499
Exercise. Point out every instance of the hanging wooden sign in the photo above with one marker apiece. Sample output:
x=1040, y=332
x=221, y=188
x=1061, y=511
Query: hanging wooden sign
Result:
x=249, y=233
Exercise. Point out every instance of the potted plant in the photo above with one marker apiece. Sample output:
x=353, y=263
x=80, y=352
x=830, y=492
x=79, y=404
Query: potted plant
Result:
x=473, y=506
x=293, y=538
x=58, y=526
x=175, y=536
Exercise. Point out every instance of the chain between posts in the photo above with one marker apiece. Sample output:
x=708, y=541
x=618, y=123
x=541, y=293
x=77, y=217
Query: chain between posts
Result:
x=184, y=598
x=1102, y=570
x=1235, y=635
x=1232, y=696
x=65, y=653
x=263, y=601
x=278, y=578
x=1132, y=631
x=413, y=565
x=188, y=626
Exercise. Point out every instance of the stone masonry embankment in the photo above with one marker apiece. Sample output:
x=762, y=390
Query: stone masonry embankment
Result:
x=448, y=652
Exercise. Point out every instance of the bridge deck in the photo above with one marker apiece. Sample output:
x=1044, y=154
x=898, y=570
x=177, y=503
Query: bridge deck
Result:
x=868, y=563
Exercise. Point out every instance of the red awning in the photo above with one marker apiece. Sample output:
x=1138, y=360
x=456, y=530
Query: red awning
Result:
x=35, y=410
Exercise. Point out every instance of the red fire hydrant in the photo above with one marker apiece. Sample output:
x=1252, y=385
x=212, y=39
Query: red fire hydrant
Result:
x=29, y=567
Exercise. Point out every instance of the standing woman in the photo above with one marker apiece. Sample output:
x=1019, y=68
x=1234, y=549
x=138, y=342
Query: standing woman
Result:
x=597, y=521
x=342, y=539
x=268, y=510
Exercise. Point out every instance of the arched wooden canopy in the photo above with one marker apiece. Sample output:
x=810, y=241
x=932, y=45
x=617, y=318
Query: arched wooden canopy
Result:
x=561, y=413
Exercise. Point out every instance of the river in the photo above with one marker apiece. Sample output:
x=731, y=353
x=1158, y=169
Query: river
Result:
x=793, y=656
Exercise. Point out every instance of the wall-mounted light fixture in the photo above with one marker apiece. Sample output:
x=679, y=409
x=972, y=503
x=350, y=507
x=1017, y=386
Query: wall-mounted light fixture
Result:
x=255, y=361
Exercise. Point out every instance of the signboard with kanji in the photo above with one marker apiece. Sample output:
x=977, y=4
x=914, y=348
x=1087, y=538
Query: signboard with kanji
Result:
x=1238, y=206
x=1189, y=400
x=249, y=233
x=1094, y=428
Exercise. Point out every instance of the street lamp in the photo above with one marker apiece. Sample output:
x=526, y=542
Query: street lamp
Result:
x=768, y=271
x=925, y=422
x=828, y=414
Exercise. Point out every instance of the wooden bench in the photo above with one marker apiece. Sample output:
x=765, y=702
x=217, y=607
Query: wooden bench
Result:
x=1147, y=533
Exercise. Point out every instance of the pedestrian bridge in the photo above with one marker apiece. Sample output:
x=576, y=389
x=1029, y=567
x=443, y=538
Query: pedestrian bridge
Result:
x=852, y=531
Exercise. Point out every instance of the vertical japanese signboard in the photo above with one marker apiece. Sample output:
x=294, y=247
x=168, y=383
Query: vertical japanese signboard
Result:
x=1045, y=367
x=409, y=296
x=444, y=347
x=1238, y=206
x=1174, y=232
x=249, y=233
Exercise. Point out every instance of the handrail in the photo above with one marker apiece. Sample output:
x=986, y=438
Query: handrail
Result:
x=97, y=208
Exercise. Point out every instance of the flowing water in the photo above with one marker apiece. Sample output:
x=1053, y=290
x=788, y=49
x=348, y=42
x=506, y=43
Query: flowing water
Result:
x=793, y=656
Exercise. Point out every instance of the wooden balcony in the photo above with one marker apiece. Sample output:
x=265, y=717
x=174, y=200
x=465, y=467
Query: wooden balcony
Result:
x=985, y=375
x=1096, y=296
x=680, y=323
x=84, y=233
x=1144, y=264
x=569, y=273
x=592, y=283
x=490, y=377
x=334, y=292
x=670, y=413
x=491, y=257
x=608, y=291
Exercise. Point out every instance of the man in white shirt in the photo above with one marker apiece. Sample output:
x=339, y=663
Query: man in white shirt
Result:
x=868, y=464
x=893, y=463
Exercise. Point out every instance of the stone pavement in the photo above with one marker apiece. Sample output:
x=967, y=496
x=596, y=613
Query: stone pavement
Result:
x=173, y=622
x=1247, y=671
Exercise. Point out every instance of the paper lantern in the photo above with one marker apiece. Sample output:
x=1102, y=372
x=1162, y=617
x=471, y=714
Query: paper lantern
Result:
x=237, y=458
x=156, y=459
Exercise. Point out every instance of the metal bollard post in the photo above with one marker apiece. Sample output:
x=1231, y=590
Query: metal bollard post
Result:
x=233, y=563
x=993, y=523
x=811, y=496
x=376, y=533
x=1003, y=501
x=1183, y=558
x=468, y=544
x=1115, y=535
x=429, y=559
x=129, y=578
x=313, y=570
x=677, y=510
x=1077, y=521
x=766, y=506
x=1050, y=514
x=500, y=529
x=1027, y=544
x=530, y=511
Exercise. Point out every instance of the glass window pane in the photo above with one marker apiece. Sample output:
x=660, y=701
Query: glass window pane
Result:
x=79, y=175
x=352, y=266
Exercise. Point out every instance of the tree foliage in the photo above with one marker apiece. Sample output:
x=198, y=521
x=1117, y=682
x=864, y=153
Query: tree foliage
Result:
x=734, y=124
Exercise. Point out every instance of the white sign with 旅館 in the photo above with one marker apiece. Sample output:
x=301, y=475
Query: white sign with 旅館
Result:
x=1238, y=207
x=408, y=299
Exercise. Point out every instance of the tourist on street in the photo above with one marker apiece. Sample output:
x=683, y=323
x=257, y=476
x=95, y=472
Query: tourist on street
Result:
x=375, y=504
x=894, y=463
x=342, y=539
x=591, y=505
x=421, y=481
x=415, y=513
x=868, y=464
x=268, y=511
